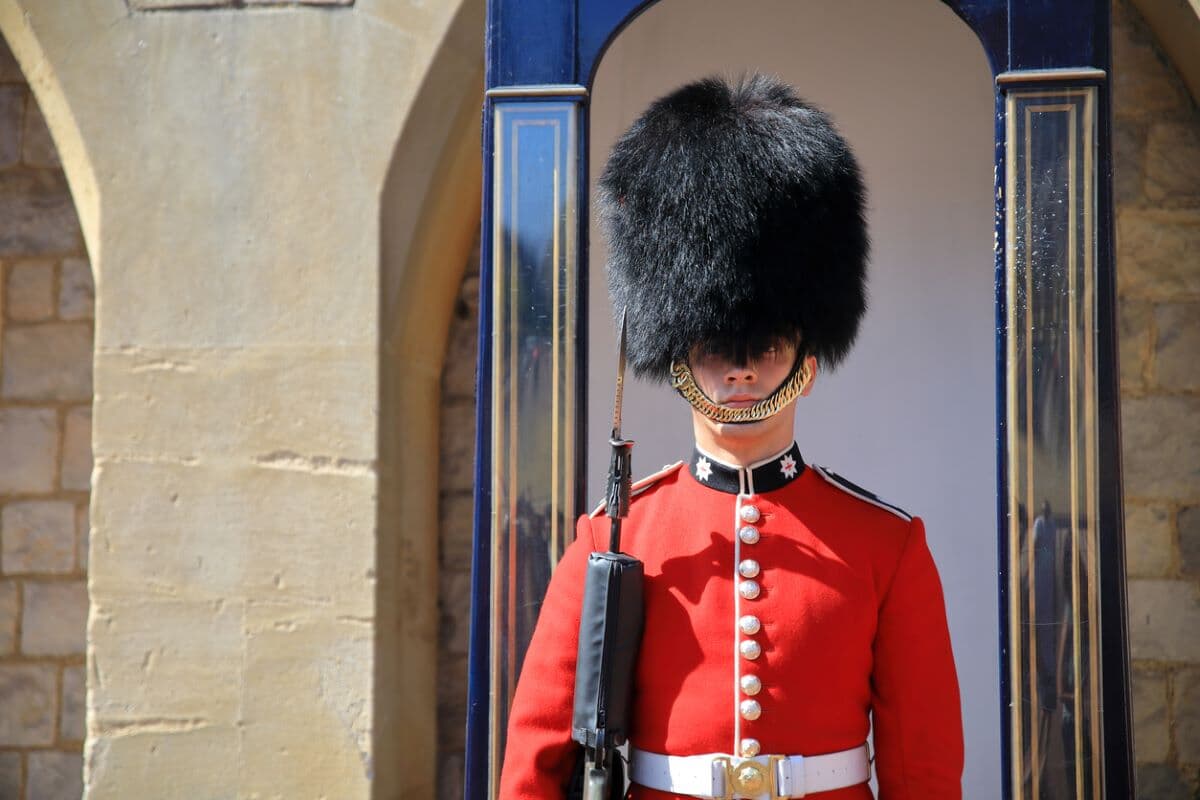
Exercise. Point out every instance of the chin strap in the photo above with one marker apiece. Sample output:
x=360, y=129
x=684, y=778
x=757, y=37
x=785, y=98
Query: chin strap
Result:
x=684, y=382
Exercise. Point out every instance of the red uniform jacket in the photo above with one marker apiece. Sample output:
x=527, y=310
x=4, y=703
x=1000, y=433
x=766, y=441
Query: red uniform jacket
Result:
x=850, y=624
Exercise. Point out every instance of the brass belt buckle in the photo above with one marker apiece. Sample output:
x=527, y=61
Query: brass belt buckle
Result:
x=750, y=778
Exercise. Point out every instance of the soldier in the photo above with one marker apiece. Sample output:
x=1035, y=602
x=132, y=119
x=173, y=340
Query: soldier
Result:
x=786, y=609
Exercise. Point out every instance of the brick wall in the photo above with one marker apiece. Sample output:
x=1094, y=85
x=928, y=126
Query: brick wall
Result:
x=1157, y=183
x=45, y=457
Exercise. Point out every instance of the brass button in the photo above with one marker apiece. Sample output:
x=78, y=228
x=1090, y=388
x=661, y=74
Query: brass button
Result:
x=749, y=589
x=748, y=534
x=751, y=684
x=749, y=514
x=750, y=709
x=750, y=649
x=750, y=748
x=749, y=625
x=748, y=568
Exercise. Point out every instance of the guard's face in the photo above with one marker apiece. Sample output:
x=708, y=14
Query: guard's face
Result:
x=740, y=385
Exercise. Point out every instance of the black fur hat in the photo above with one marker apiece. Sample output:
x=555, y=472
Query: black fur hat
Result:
x=734, y=216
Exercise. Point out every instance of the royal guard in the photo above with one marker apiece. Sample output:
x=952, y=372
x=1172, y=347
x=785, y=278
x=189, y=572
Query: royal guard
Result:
x=787, y=611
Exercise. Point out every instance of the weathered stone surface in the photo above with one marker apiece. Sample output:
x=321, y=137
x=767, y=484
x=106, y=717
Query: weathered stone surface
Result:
x=196, y=678
x=1164, y=616
x=1143, y=85
x=37, y=536
x=1135, y=320
x=1162, y=782
x=10, y=766
x=55, y=776
x=163, y=5
x=157, y=762
x=51, y=361
x=30, y=291
x=1151, y=734
x=1161, y=444
x=1147, y=541
x=1156, y=253
x=462, y=346
x=83, y=534
x=10, y=70
x=28, y=446
x=457, y=447
x=27, y=704
x=8, y=617
x=12, y=105
x=37, y=147
x=1173, y=163
x=1189, y=540
x=37, y=216
x=454, y=596
x=1177, y=356
x=456, y=515
x=77, y=291
x=77, y=449
x=1129, y=144
x=1186, y=709
x=54, y=618
x=74, y=689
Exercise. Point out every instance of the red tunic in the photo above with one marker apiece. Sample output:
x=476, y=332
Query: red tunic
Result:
x=851, y=624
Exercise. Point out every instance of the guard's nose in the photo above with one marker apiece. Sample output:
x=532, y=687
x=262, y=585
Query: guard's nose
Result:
x=740, y=374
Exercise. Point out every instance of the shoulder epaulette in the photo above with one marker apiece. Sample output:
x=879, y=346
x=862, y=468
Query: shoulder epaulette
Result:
x=643, y=484
x=857, y=491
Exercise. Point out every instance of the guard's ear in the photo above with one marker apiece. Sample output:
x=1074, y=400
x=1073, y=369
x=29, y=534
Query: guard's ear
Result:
x=810, y=363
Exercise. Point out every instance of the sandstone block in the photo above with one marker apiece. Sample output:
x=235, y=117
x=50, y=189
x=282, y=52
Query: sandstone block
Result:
x=167, y=659
x=55, y=775
x=456, y=513
x=1189, y=540
x=77, y=449
x=37, y=215
x=83, y=532
x=28, y=449
x=37, y=536
x=74, y=689
x=1152, y=734
x=156, y=764
x=37, y=148
x=54, y=618
x=457, y=448
x=27, y=695
x=1135, y=321
x=1163, y=618
x=1177, y=356
x=10, y=774
x=1162, y=782
x=1173, y=163
x=1156, y=253
x=1129, y=144
x=52, y=361
x=10, y=71
x=1187, y=715
x=12, y=106
x=1147, y=541
x=1142, y=84
x=77, y=291
x=8, y=618
x=30, y=291
x=1161, y=443
x=454, y=594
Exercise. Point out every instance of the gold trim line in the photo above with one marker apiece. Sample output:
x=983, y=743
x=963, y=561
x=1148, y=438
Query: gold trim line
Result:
x=539, y=90
x=1048, y=75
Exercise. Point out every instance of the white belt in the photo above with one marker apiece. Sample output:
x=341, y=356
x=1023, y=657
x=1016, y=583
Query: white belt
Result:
x=716, y=775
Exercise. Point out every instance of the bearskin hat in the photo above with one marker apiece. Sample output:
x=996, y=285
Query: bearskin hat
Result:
x=734, y=217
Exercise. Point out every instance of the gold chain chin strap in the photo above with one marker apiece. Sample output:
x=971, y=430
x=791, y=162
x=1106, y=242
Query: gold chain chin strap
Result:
x=684, y=382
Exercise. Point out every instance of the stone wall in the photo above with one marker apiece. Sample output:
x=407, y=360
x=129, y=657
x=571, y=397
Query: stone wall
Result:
x=1157, y=186
x=45, y=457
x=455, y=529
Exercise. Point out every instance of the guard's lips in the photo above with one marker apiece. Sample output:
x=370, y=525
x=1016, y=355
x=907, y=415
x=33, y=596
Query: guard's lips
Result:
x=739, y=401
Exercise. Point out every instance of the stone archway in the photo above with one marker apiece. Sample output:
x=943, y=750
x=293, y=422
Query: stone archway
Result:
x=46, y=310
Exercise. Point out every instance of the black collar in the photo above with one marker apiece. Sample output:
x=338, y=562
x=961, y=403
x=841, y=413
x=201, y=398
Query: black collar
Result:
x=764, y=476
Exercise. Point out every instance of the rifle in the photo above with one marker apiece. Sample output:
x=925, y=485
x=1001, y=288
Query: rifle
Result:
x=610, y=630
